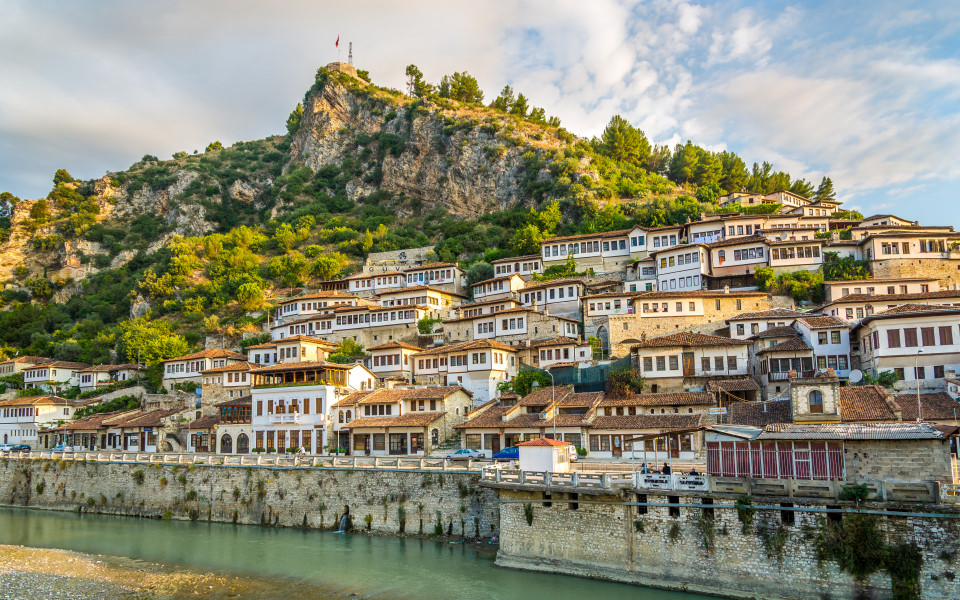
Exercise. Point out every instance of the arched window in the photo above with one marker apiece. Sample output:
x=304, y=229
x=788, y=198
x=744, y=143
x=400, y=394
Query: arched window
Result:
x=340, y=419
x=816, y=401
x=243, y=444
x=226, y=444
x=349, y=416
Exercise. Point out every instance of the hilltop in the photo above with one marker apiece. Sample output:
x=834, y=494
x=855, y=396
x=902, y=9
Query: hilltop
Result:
x=193, y=247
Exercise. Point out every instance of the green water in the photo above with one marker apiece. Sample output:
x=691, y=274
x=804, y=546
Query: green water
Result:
x=371, y=567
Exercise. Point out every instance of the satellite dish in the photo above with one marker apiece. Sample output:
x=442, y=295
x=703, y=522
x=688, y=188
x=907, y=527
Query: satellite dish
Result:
x=856, y=376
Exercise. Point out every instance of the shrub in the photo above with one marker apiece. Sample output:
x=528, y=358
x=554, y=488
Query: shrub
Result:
x=138, y=476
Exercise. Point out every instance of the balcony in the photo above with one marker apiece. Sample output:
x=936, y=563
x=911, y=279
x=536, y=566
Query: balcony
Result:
x=292, y=418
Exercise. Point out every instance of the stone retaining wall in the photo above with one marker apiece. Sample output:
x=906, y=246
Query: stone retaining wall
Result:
x=770, y=558
x=298, y=497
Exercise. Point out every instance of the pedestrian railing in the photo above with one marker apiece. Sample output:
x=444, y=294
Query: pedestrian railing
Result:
x=393, y=463
x=950, y=493
x=575, y=479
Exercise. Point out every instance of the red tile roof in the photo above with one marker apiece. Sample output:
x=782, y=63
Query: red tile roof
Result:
x=464, y=346
x=792, y=345
x=664, y=399
x=684, y=339
x=210, y=353
x=411, y=419
x=773, y=313
x=933, y=407
x=824, y=322
x=543, y=442
x=395, y=345
x=865, y=403
x=640, y=422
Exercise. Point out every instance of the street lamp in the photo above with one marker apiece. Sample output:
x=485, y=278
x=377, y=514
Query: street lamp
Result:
x=916, y=372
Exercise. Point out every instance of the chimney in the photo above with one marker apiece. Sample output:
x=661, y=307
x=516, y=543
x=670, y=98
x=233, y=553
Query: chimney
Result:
x=726, y=289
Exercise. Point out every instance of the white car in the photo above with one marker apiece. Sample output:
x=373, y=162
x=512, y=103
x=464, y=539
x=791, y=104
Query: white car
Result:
x=6, y=447
x=463, y=454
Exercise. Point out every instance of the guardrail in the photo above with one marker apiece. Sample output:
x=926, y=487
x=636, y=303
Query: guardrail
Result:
x=394, y=463
x=950, y=493
x=573, y=480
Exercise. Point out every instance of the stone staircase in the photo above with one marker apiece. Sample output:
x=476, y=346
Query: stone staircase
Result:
x=446, y=446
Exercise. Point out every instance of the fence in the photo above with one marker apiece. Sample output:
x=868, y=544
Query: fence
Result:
x=261, y=460
x=917, y=491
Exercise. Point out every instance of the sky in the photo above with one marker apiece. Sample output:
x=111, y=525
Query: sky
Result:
x=867, y=93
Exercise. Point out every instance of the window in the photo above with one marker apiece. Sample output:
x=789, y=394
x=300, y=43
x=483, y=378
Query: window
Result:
x=661, y=363
x=938, y=371
x=816, y=401
x=674, y=363
x=893, y=338
x=927, y=336
x=946, y=335
x=739, y=304
x=834, y=337
x=920, y=373
x=821, y=337
x=740, y=329
x=705, y=363
x=718, y=363
x=899, y=372
x=648, y=364
x=732, y=363
x=910, y=337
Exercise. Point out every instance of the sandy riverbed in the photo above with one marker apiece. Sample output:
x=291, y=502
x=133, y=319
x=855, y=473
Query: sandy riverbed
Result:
x=40, y=574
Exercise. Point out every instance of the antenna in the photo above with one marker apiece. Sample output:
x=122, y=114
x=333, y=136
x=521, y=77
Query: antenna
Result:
x=350, y=55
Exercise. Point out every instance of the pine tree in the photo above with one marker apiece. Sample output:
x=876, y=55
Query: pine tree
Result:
x=623, y=142
x=825, y=190
x=683, y=167
x=505, y=101
x=520, y=107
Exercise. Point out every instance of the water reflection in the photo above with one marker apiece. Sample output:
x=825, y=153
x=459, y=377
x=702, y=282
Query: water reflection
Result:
x=372, y=566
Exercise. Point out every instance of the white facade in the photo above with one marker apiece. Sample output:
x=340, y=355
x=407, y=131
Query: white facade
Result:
x=477, y=366
x=559, y=297
x=919, y=345
x=681, y=268
x=53, y=376
x=498, y=288
x=21, y=418
x=525, y=266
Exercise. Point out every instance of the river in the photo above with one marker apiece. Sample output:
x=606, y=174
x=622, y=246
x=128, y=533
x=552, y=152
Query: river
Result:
x=350, y=564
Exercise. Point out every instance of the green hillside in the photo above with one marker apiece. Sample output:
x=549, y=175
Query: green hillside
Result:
x=199, y=244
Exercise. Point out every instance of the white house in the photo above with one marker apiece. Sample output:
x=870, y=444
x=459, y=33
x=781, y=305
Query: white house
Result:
x=393, y=360
x=54, y=376
x=478, y=366
x=682, y=267
x=504, y=287
x=399, y=421
x=525, y=266
x=22, y=418
x=918, y=342
x=748, y=324
x=684, y=361
x=291, y=402
x=188, y=368
x=100, y=375
x=557, y=296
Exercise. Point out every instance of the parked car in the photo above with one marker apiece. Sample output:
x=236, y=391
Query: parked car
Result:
x=507, y=454
x=6, y=447
x=62, y=448
x=463, y=454
x=20, y=448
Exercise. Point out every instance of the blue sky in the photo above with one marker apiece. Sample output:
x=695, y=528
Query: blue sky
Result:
x=868, y=93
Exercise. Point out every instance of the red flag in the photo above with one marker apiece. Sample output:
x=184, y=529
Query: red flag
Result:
x=337, y=45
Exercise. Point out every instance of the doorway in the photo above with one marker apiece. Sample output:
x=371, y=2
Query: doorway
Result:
x=688, y=364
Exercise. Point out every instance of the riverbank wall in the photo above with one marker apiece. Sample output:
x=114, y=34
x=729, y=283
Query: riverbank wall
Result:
x=738, y=553
x=382, y=501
